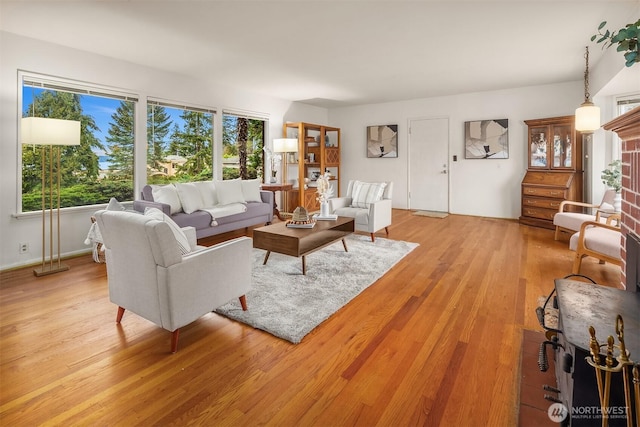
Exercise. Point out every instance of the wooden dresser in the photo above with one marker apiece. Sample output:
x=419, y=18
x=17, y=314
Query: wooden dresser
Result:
x=554, y=169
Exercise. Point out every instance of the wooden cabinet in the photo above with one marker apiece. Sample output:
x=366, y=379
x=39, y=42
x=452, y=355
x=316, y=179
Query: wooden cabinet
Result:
x=554, y=169
x=318, y=152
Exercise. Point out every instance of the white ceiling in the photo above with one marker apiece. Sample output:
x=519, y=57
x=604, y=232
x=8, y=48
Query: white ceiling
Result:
x=335, y=52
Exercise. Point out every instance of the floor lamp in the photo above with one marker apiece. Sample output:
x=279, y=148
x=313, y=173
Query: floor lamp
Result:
x=50, y=134
x=285, y=146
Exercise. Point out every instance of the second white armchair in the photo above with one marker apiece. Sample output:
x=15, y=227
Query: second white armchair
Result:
x=368, y=203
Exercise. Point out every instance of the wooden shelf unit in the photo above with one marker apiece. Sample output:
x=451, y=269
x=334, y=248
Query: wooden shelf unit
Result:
x=318, y=151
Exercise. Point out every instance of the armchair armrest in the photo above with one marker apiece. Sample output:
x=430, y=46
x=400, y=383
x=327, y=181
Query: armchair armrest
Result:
x=380, y=213
x=339, y=202
x=213, y=276
x=573, y=203
x=192, y=238
x=141, y=205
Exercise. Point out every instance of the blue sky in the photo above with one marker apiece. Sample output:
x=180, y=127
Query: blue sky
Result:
x=101, y=109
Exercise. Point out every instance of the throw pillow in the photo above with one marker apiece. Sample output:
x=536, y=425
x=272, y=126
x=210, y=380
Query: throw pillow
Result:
x=251, y=190
x=115, y=205
x=167, y=194
x=207, y=192
x=190, y=197
x=365, y=193
x=229, y=191
x=181, y=238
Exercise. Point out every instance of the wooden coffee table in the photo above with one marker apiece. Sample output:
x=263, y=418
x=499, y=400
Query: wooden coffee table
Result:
x=300, y=242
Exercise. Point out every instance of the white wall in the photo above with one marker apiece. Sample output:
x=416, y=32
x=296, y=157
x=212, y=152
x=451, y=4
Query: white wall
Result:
x=20, y=53
x=477, y=187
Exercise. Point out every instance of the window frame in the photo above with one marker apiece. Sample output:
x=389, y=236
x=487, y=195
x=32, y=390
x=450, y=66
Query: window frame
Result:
x=44, y=81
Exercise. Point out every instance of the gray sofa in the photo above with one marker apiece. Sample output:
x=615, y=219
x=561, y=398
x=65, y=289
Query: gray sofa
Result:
x=257, y=212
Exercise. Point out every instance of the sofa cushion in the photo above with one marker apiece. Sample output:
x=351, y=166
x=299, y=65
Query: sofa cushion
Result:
x=167, y=194
x=190, y=197
x=181, y=238
x=251, y=190
x=207, y=191
x=229, y=191
x=365, y=193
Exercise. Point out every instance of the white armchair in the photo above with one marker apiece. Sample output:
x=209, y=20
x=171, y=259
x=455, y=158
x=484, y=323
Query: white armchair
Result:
x=149, y=275
x=570, y=222
x=601, y=241
x=368, y=203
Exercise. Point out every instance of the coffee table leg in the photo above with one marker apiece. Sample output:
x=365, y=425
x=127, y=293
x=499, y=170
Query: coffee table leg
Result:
x=304, y=265
x=266, y=257
x=344, y=243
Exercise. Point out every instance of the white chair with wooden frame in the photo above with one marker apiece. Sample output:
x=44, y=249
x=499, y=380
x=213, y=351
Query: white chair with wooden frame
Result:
x=570, y=222
x=601, y=241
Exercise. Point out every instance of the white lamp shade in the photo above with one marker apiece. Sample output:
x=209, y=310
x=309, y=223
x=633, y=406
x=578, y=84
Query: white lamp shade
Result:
x=45, y=131
x=285, y=145
x=587, y=117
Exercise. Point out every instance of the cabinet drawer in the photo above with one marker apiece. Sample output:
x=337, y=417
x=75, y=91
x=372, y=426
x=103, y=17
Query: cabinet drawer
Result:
x=556, y=193
x=538, y=212
x=541, y=203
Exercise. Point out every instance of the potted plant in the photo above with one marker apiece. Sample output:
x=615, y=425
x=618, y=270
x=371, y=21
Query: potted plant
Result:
x=612, y=178
x=626, y=38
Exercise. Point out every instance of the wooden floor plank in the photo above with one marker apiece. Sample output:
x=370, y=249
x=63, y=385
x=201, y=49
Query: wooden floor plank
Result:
x=436, y=341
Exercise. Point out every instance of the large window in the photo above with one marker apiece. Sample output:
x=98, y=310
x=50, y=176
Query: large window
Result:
x=242, y=143
x=99, y=168
x=179, y=143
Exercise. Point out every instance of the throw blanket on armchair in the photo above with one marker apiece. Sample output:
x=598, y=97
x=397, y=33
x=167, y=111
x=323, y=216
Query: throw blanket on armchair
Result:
x=224, y=210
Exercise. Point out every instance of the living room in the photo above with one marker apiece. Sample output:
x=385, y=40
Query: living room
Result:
x=486, y=191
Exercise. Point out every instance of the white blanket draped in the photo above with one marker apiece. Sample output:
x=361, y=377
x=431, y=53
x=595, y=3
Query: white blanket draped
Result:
x=224, y=210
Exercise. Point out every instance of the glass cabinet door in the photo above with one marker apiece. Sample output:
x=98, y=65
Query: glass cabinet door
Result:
x=562, y=147
x=538, y=138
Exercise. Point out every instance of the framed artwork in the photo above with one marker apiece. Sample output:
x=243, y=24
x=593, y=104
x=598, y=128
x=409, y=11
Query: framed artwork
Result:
x=382, y=141
x=486, y=139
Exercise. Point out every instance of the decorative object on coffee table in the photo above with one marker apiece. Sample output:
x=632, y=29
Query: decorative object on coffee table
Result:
x=300, y=219
x=325, y=191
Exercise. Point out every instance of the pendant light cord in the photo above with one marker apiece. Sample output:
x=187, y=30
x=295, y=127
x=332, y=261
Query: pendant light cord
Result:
x=587, y=95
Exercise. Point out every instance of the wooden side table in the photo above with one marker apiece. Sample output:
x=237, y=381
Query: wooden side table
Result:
x=273, y=188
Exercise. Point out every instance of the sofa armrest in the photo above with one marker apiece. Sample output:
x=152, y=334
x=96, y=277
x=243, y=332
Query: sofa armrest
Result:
x=141, y=205
x=339, y=202
x=267, y=197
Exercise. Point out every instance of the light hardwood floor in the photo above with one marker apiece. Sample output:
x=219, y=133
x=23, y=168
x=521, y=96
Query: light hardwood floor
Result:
x=436, y=341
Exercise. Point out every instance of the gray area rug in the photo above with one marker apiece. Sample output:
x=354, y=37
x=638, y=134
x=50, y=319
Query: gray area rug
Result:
x=289, y=305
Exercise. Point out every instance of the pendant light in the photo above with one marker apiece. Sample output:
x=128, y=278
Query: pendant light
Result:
x=587, y=115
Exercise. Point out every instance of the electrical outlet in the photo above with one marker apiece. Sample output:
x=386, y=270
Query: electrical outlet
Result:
x=23, y=248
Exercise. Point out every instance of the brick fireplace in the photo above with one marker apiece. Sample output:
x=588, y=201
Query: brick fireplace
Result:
x=627, y=127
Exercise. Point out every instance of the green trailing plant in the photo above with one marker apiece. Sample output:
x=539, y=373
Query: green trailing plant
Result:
x=612, y=176
x=626, y=38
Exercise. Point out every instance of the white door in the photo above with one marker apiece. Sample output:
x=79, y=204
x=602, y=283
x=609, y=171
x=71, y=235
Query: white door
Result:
x=429, y=164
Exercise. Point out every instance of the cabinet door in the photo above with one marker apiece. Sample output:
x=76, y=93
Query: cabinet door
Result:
x=538, y=147
x=563, y=155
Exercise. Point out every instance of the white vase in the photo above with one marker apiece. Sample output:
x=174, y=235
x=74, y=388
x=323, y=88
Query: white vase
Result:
x=324, y=209
x=617, y=202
